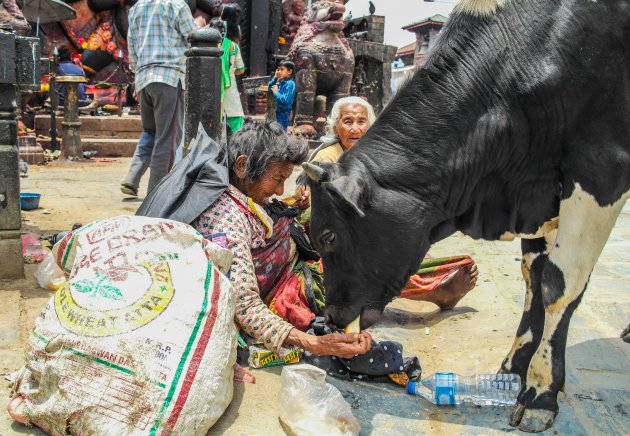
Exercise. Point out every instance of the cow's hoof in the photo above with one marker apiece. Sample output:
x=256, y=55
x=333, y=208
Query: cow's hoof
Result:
x=625, y=334
x=517, y=414
x=536, y=420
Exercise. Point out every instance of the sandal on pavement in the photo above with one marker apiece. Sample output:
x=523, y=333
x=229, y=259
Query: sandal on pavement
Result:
x=129, y=190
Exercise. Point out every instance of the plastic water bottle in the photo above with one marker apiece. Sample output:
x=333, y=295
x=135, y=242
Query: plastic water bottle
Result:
x=448, y=389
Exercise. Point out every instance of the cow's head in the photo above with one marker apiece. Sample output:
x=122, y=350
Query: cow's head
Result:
x=353, y=220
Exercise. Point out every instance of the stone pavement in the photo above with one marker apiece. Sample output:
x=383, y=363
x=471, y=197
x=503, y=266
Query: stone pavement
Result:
x=472, y=338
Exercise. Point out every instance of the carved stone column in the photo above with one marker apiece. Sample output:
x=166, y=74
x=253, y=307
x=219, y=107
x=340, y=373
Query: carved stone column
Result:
x=71, y=148
x=202, y=101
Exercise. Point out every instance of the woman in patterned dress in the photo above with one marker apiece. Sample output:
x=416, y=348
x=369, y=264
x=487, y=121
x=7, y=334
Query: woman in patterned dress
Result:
x=261, y=157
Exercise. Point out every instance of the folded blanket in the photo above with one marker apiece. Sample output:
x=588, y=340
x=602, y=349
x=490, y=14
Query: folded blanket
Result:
x=433, y=273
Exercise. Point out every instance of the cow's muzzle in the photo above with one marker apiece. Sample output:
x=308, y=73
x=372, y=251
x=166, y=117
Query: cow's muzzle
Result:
x=341, y=316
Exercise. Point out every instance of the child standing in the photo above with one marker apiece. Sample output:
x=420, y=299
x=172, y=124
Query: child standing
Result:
x=283, y=88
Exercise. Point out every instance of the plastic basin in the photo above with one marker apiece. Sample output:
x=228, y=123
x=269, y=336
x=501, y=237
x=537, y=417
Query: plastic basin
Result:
x=29, y=200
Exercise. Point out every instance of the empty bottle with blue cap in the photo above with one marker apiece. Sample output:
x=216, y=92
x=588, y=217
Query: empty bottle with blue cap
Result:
x=449, y=389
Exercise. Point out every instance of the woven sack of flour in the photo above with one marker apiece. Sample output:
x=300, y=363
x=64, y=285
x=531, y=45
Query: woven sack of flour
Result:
x=140, y=340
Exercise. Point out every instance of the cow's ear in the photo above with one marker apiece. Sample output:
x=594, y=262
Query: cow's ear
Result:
x=350, y=190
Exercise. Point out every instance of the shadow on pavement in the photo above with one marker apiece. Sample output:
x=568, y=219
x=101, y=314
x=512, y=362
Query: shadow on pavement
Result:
x=595, y=400
x=414, y=320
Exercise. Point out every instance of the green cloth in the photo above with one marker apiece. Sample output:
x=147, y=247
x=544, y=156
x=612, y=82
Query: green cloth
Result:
x=226, y=82
x=313, y=285
x=235, y=123
x=304, y=216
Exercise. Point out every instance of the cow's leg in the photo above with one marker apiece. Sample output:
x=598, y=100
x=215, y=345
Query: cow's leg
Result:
x=529, y=332
x=583, y=229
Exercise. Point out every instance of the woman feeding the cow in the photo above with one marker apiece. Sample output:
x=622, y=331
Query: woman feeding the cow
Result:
x=268, y=269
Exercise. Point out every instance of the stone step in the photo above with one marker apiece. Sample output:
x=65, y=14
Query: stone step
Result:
x=95, y=133
x=126, y=123
x=31, y=155
x=106, y=147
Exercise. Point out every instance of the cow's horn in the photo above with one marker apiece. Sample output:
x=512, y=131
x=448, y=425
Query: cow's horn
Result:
x=314, y=172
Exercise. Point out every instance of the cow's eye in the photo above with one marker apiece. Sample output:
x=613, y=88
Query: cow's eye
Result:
x=328, y=238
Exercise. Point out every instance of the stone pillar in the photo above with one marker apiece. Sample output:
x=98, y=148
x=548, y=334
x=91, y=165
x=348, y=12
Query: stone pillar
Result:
x=119, y=86
x=373, y=62
x=71, y=138
x=202, y=100
x=259, y=33
x=19, y=70
x=54, y=101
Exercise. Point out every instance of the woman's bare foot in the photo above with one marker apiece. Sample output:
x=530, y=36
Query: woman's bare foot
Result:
x=448, y=294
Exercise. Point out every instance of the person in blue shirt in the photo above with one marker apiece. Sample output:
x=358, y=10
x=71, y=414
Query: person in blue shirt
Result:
x=68, y=68
x=282, y=87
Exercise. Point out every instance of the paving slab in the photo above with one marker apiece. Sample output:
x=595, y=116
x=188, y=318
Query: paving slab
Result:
x=10, y=322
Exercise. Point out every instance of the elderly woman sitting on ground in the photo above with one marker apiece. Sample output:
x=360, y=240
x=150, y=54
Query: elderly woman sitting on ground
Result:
x=350, y=118
x=269, y=269
x=442, y=281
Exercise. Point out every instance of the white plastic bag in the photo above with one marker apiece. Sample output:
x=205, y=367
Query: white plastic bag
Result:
x=310, y=406
x=49, y=275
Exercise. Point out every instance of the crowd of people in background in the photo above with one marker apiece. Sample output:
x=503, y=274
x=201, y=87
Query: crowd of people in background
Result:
x=157, y=39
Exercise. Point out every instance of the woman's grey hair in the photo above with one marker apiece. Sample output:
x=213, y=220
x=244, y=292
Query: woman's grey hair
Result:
x=335, y=113
x=264, y=143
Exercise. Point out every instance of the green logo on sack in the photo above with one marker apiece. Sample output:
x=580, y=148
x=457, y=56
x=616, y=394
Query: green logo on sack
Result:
x=102, y=289
x=86, y=321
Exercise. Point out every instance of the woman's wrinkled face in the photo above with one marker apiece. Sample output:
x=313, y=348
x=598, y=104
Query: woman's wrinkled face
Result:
x=271, y=183
x=352, y=125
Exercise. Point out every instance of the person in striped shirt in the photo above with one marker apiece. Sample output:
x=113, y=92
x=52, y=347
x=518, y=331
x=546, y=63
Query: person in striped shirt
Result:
x=157, y=39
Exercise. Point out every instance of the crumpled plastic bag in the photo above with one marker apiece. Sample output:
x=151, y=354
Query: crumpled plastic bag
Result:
x=49, y=275
x=32, y=251
x=310, y=406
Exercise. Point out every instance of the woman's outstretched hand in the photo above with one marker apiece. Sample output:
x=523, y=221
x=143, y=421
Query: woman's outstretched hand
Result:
x=303, y=197
x=344, y=345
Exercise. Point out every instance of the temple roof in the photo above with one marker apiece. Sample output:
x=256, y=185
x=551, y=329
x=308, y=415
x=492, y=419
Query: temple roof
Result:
x=406, y=49
x=436, y=19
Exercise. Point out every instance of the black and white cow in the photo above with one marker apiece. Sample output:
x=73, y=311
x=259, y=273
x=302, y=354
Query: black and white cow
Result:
x=517, y=125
